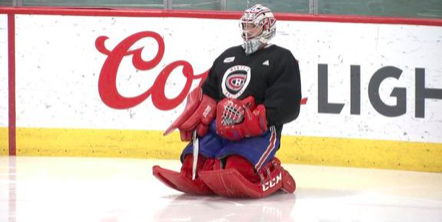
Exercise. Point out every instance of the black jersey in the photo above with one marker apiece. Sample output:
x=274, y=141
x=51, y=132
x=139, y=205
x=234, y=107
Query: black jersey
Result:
x=270, y=75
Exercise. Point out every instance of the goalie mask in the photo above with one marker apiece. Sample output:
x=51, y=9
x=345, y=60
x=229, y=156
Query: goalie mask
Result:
x=258, y=26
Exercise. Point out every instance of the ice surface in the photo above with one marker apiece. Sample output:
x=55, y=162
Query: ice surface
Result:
x=112, y=189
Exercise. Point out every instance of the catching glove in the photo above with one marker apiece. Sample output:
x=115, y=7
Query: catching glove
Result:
x=237, y=119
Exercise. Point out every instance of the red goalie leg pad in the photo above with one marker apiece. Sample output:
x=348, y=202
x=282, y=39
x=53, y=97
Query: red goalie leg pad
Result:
x=183, y=181
x=231, y=183
x=176, y=181
x=243, y=166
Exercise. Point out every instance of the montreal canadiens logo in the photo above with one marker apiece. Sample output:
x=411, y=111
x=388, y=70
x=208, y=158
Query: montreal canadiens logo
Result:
x=235, y=81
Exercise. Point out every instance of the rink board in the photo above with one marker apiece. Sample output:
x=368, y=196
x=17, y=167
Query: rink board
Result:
x=4, y=148
x=3, y=85
x=81, y=91
x=294, y=149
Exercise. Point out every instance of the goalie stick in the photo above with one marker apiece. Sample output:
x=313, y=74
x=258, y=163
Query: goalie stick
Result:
x=196, y=147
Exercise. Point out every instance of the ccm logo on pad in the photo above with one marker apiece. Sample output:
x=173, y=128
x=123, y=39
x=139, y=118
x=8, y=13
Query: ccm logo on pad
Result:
x=272, y=182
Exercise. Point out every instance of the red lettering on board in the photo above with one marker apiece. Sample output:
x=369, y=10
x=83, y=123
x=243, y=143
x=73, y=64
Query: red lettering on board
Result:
x=107, y=83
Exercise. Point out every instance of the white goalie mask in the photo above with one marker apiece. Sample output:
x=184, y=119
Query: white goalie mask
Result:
x=258, y=26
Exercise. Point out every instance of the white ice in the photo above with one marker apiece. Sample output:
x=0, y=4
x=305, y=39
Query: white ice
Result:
x=118, y=190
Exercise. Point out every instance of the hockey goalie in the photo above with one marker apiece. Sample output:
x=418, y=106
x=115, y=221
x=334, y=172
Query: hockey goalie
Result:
x=233, y=122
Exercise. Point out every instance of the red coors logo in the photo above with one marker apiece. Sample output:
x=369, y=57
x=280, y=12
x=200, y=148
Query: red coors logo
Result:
x=107, y=83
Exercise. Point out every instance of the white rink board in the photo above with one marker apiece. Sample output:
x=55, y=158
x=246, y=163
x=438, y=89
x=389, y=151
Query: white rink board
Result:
x=371, y=46
x=3, y=70
x=58, y=67
x=65, y=67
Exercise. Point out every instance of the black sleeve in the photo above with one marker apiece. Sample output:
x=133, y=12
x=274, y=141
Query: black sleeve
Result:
x=283, y=97
x=210, y=85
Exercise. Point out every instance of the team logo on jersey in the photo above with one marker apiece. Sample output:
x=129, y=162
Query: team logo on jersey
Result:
x=235, y=81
